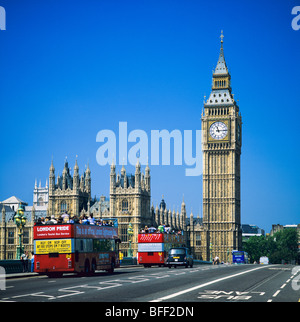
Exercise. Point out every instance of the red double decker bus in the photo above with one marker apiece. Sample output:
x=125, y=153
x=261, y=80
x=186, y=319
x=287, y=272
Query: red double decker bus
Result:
x=75, y=248
x=153, y=248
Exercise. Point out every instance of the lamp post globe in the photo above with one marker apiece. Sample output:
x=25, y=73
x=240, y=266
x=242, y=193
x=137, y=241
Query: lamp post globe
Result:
x=20, y=221
x=130, y=234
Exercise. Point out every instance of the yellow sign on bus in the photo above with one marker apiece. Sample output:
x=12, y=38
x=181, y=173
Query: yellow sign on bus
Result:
x=53, y=246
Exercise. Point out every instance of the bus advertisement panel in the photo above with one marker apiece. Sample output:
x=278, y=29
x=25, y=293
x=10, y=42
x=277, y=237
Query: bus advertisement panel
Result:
x=153, y=248
x=65, y=248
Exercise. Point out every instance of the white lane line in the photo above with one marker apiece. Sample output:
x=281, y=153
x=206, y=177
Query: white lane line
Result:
x=276, y=293
x=203, y=285
x=282, y=286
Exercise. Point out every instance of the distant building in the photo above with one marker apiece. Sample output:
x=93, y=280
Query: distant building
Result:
x=9, y=232
x=40, y=196
x=40, y=201
x=100, y=208
x=14, y=202
x=278, y=227
x=250, y=231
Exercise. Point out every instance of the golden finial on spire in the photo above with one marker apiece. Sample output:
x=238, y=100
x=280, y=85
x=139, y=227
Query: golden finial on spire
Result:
x=222, y=36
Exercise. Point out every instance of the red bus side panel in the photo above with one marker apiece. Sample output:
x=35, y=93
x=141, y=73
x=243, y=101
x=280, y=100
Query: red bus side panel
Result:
x=60, y=263
x=155, y=258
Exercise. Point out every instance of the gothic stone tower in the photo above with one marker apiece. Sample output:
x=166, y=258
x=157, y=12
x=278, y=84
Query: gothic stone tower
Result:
x=130, y=197
x=221, y=126
x=71, y=194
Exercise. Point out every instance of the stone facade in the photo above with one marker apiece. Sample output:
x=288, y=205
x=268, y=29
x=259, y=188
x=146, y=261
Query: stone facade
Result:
x=222, y=141
x=130, y=197
x=71, y=194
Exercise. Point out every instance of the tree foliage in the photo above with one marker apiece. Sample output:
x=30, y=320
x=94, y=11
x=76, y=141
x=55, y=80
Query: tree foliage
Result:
x=282, y=246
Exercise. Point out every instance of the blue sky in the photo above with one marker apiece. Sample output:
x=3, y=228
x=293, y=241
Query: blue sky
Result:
x=70, y=69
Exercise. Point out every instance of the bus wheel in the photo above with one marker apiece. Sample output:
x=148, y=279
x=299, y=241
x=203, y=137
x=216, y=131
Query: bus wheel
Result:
x=87, y=267
x=93, y=266
x=112, y=267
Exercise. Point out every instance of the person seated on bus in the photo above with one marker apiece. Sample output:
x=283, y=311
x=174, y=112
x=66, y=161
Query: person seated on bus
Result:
x=146, y=230
x=168, y=229
x=161, y=229
x=91, y=219
x=47, y=221
x=85, y=220
x=65, y=217
x=59, y=220
x=40, y=221
x=53, y=220
x=75, y=219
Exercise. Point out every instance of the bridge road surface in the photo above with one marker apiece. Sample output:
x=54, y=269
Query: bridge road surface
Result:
x=223, y=283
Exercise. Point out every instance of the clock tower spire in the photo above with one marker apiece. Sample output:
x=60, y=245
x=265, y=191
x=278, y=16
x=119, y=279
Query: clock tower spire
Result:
x=221, y=127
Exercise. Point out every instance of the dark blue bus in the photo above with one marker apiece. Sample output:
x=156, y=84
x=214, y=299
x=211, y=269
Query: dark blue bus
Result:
x=239, y=257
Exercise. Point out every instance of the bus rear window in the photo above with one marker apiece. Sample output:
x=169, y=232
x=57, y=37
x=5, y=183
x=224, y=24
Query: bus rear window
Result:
x=177, y=251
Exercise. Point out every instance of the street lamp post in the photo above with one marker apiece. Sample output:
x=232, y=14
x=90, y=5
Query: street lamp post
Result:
x=130, y=234
x=20, y=221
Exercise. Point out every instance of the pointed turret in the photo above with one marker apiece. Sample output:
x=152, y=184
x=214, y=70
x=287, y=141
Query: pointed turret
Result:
x=3, y=215
x=147, y=178
x=221, y=87
x=88, y=180
x=138, y=177
x=112, y=177
x=52, y=177
x=65, y=174
x=76, y=177
x=221, y=68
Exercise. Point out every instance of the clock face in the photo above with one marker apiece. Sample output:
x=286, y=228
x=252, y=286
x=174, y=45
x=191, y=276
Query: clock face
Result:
x=218, y=130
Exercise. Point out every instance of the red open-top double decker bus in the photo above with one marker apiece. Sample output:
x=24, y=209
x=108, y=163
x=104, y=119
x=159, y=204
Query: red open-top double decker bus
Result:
x=65, y=248
x=153, y=248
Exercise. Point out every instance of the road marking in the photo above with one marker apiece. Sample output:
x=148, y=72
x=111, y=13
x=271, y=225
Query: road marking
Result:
x=228, y=295
x=282, y=286
x=276, y=293
x=203, y=285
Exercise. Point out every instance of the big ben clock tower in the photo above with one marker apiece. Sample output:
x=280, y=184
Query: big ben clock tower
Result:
x=222, y=141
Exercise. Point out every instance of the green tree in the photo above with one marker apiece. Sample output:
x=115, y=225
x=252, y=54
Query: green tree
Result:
x=286, y=246
x=282, y=246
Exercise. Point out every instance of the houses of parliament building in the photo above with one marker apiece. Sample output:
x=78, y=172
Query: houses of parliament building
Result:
x=217, y=233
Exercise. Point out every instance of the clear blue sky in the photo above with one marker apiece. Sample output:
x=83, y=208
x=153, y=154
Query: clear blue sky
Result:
x=72, y=68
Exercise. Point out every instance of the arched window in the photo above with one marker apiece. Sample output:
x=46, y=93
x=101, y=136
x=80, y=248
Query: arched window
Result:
x=63, y=206
x=40, y=201
x=125, y=205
